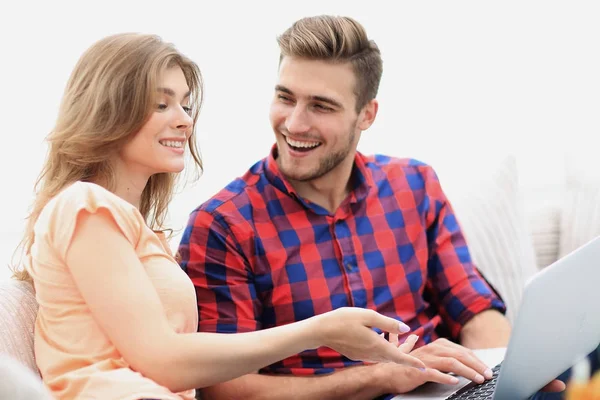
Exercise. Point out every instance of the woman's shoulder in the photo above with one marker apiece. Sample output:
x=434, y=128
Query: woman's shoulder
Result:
x=61, y=213
x=86, y=195
x=88, y=192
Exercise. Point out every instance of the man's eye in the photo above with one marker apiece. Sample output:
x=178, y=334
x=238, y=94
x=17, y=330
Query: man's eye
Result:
x=284, y=98
x=323, y=108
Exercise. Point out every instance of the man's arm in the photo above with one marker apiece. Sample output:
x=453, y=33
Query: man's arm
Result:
x=355, y=383
x=457, y=288
x=486, y=330
x=469, y=305
x=217, y=263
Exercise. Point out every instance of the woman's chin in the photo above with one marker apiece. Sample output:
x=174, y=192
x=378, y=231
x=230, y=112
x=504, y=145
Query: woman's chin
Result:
x=171, y=169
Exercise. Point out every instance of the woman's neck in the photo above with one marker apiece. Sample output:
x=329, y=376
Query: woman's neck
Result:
x=127, y=184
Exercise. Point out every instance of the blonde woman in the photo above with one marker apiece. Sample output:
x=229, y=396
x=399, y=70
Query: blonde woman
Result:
x=118, y=316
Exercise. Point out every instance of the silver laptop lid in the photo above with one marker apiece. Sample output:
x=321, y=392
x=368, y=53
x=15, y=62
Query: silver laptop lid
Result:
x=558, y=323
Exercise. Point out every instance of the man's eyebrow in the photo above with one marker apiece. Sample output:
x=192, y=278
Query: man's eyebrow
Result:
x=171, y=92
x=322, y=99
x=283, y=89
x=328, y=100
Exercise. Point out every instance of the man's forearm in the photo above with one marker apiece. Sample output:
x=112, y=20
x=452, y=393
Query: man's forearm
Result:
x=486, y=330
x=354, y=383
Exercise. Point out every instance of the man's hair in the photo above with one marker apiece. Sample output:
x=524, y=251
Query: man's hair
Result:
x=337, y=40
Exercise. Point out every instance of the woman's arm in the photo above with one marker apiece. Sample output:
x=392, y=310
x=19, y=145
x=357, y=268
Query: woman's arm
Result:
x=126, y=306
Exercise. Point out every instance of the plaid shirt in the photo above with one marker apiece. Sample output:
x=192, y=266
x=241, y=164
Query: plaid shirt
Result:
x=260, y=256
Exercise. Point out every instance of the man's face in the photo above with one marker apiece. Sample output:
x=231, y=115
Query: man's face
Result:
x=313, y=115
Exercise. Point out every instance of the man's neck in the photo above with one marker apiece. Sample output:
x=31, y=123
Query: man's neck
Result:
x=330, y=190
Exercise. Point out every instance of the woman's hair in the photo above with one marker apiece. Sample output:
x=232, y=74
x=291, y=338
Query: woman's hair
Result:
x=109, y=96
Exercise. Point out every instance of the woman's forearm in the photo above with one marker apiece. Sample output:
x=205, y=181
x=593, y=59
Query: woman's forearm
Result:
x=204, y=359
x=194, y=360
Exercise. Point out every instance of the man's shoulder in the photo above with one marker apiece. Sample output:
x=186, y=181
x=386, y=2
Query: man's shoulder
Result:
x=236, y=195
x=392, y=166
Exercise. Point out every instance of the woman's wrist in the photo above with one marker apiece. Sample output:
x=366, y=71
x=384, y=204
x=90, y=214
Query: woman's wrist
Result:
x=313, y=331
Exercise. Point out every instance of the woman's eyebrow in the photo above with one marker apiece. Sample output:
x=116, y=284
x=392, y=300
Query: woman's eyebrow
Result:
x=171, y=92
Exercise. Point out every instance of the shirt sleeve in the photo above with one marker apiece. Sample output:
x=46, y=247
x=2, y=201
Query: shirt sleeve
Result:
x=59, y=218
x=221, y=273
x=457, y=287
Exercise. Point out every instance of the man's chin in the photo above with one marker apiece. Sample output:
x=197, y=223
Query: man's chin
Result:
x=298, y=173
x=294, y=177
x=292, y=174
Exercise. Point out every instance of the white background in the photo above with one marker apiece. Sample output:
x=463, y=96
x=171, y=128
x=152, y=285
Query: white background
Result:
x=464, y=82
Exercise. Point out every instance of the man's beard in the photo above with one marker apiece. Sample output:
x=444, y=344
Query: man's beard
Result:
x=326, y=164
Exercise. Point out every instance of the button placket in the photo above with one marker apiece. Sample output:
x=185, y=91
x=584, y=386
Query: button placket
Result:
x=348, y=262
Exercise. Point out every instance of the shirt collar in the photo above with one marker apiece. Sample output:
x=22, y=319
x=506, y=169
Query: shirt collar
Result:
x=361, y=177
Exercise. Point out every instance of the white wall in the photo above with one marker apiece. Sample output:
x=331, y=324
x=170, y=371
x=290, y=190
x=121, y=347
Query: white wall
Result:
x=461, y=79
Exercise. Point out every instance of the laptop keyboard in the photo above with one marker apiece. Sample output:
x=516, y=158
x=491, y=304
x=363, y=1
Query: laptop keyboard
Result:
x=480, y=392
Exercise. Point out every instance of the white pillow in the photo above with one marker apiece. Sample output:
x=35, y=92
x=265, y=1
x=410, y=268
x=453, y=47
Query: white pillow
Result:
x=580, y=220
x=19, y=382
x=543, y=207
x=489, y=207
x=18, y=310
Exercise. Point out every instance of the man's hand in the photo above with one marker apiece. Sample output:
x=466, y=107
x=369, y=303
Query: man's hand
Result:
x=397, y=378
x=554, y=387
x=447, y=356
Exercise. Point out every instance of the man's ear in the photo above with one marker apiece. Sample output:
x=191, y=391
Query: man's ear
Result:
x=368, y=114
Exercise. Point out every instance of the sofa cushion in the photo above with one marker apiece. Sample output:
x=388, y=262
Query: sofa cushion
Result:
x=580, y=220
x=18, y=309
x=19, y=382
x=489, y=206
x=544, y=213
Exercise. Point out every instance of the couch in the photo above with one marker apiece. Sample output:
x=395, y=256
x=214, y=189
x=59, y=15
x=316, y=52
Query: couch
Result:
x=512, y=231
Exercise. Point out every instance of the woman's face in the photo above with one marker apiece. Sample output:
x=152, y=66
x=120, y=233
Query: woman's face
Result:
x=159, y=145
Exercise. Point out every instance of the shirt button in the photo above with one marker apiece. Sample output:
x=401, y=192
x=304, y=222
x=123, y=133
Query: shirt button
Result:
x=349, y=266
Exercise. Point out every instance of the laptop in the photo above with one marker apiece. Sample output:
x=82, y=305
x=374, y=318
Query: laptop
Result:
x=557, y=325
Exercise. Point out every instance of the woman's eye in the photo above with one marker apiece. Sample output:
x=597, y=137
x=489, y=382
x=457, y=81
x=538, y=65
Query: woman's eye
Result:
x=187, y=109
x=161, y=106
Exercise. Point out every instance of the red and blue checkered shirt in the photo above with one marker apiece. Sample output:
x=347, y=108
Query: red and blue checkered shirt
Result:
x=260, y=256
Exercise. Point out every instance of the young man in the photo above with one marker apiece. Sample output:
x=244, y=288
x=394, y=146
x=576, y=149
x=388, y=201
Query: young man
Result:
x=316, y=226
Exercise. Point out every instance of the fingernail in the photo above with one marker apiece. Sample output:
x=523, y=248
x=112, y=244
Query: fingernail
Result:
x=488, y=374
x=454, y=380
x=422, y=369
x=479, y=378
x=403, y=328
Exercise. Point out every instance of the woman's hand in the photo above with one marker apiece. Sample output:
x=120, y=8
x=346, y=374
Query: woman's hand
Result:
x=348, y=330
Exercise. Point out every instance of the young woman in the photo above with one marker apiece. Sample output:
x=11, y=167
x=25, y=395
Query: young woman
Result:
x=117, y=315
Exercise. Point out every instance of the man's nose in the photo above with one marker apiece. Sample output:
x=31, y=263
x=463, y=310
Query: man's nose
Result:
x=298, y=120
